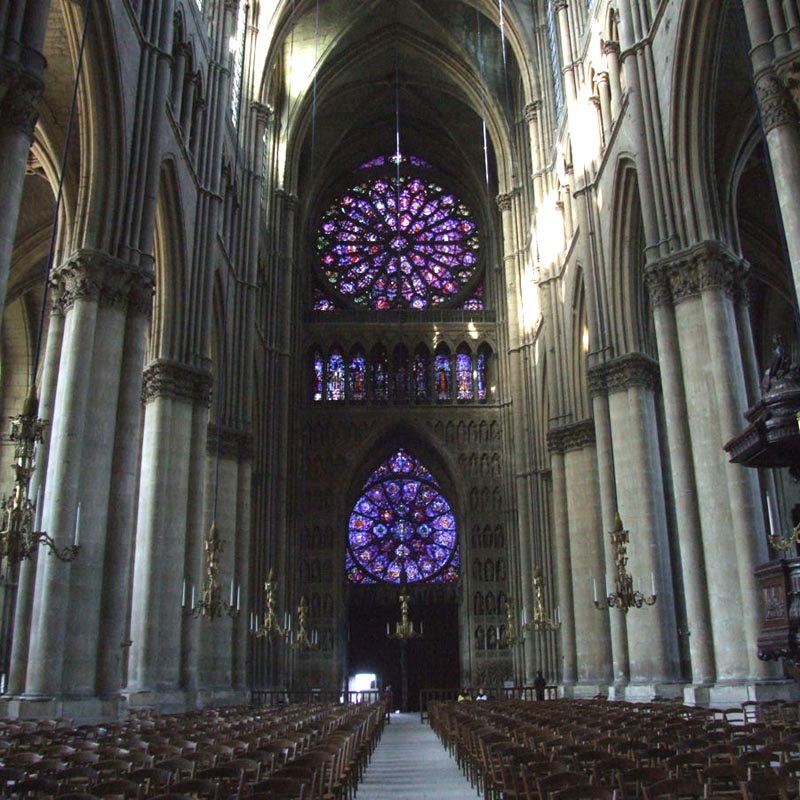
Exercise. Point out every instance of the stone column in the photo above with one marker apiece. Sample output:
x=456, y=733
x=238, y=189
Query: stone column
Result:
x=652, y=635
x=27, y=573
x=582, y=505
x=174, y=394
x=114, y=604
x=697, y=628
x=21, y=87
x=702, y=283
x=779, y=104
x=561, y=545
x=608, y=506
x=66, y=614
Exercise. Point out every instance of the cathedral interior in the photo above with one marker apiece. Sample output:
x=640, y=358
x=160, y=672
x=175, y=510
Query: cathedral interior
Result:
x=324, y=318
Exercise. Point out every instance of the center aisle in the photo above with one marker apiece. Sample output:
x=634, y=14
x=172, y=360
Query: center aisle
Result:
x=411, y=764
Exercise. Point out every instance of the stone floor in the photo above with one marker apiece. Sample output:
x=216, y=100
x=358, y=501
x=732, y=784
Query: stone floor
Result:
x=411, y=764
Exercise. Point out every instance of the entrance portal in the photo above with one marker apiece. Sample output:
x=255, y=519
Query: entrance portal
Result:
x=431, y=659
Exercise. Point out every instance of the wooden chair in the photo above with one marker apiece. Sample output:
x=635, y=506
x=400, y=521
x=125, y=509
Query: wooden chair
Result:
x=724, y=780
x=769, y=787
x=281, y=789
x=179, y=768
x=118, y=787
x=549, y=784
x=201, y=788
x=152, y=780
x=674, y=789
x=584, y=792
x=37, y=788
x=229, y=780
x=633, y=781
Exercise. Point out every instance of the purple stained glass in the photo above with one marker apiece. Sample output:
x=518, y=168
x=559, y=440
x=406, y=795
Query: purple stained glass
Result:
x=475, y=301
x=335, y=376
x=402, y=526
x=464, y=376
x=421, y=388
x=319, y=373
x=321, y=302
x=442, y=368
x=357, y=377
x=481, y=375
x=398, y=244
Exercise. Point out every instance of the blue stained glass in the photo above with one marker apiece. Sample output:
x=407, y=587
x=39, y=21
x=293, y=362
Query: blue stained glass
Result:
x=442, y=367
x=416, y=536
x=319, y=372
x=357, y=377
x=397, y=243
x=464, y=376
x=481, y=375
x=335, y=376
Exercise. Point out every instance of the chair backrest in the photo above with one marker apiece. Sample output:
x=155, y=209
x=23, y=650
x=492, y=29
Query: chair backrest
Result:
x=674, y=789
x=118, y=787
x=197, y=787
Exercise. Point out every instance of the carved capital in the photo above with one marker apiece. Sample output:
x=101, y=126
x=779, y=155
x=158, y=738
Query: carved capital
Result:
x=531, y=110
x=177, y=381
x=560, y=5
x=20, y=107
x=97, y=276
x=611, y=49
x=233, y=442
x=707, y=266
x=289, y=199
x=505, y=200
x=571, y=437
x=620, y=374
x=775, y=101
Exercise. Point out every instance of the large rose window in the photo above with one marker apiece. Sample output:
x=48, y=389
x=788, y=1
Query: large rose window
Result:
x=379, y=259
x=402, y=528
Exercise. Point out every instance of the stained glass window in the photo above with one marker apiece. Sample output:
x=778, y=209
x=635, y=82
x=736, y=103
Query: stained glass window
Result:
x=401, y=376
x=321, y=302
x=464, y=375
x=480, y=369
x=319, y=376
x=402, y=527
x=357, y=377
x=335, y=376
x=420, y=377
x=377, y=258
x=380, y=376
x=442, y=368
x=475, y=301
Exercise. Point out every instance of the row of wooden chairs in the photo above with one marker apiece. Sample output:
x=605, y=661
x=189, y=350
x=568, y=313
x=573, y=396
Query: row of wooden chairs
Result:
x=218, y=756
x=513, y=749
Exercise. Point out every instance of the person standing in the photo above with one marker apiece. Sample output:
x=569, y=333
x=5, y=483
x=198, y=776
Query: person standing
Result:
x=539, y=684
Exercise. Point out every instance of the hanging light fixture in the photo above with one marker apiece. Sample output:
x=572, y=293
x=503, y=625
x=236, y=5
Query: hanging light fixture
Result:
x=404, y=629
x=541, y=622
x=212, y=604
x=624, y=595
x=305, y=640
x=270, y=627
x=19, y=538
x=509, y=636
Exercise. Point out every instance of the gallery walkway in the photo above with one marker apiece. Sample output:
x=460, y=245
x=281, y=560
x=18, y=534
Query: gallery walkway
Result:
x=411, y=764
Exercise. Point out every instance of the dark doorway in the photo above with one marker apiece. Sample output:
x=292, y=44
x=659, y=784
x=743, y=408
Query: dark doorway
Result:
x=432, y=659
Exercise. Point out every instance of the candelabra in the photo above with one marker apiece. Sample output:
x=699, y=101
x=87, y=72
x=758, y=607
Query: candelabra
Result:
x=624, y=596
x=541, y=622
x=19, y=538
x=270, y=626
x=777, y=540
x=404, y=629
x=509, y=636
x=212, y=605
x=304, y=640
